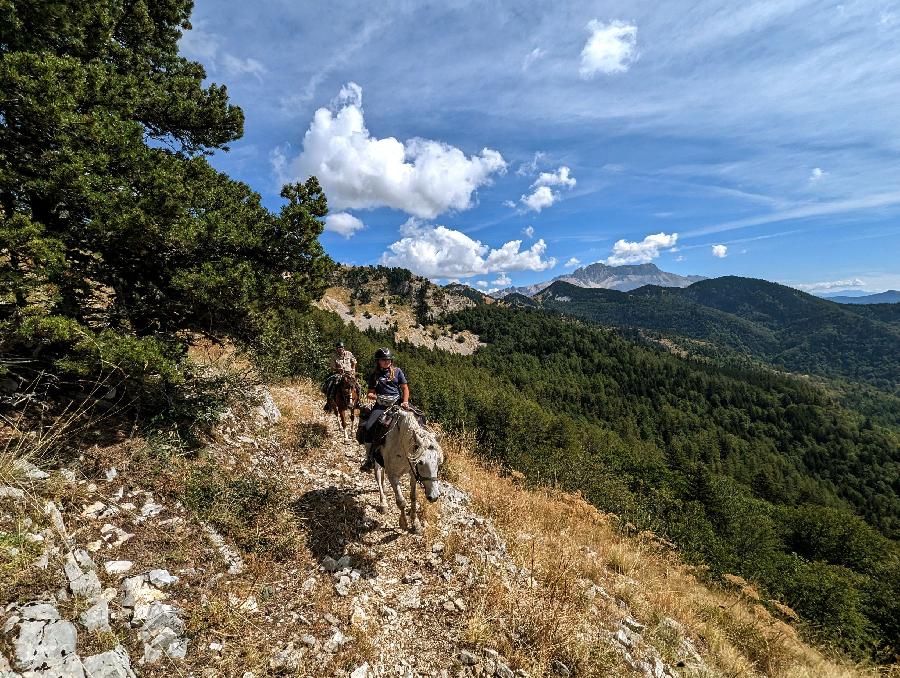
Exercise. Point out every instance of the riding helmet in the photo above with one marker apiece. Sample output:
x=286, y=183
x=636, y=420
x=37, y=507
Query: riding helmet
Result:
x=340, y=344
x=384, y=354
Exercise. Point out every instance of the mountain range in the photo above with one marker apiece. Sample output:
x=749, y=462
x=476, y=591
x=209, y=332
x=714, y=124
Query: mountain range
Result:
x=773, y=323
x=622, y=278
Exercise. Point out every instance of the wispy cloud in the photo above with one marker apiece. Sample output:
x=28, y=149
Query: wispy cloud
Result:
x=208, y=48
x=804, y=211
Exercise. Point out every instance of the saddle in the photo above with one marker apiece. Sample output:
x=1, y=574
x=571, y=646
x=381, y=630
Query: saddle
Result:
x=383, y=425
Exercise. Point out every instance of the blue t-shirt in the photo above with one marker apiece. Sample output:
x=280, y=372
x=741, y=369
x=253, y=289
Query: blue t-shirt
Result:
x=382, y=384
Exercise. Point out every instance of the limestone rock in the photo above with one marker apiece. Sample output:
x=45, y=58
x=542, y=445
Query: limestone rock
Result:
x=44, y=643
x=117, y=566
x=96, y=617
x=7, y=492
x=112, y=664
x=161, y=578
x=466, y=658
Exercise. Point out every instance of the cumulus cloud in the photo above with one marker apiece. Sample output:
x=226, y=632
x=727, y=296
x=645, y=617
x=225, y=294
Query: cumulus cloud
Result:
x=343, y=223
x=561, y=177
x=421, y=177
x=482, y=283
x=542, y=194
x=720, y=251
x=611, y=48
x=827, y=285
x=528, y=232
x=441, y=252
x=648, y=249
x=502, y=280
x=573, y=262
x=817, y=175
x=541, y=197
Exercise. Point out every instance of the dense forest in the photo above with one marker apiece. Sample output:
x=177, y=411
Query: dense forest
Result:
x=779, y=325
x=748, y=471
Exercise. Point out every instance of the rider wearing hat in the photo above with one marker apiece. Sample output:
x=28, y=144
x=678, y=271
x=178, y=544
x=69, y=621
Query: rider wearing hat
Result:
x=387, y=386
x=343, y=362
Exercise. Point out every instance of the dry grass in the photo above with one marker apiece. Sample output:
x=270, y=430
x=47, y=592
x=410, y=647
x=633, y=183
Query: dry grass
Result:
x=564, y=541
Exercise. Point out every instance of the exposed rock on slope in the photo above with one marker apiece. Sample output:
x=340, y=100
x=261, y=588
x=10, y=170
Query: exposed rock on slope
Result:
x=408, y=305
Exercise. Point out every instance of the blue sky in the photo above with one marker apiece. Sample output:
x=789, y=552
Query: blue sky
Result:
x=502, y=142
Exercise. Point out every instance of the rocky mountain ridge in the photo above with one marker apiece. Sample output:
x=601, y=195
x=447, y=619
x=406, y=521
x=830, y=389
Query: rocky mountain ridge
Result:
x=603, y=276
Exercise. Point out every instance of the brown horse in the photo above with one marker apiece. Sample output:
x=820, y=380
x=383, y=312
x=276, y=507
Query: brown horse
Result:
x=344, y=396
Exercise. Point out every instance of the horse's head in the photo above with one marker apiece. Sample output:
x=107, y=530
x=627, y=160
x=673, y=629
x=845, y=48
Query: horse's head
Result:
x=426, y=462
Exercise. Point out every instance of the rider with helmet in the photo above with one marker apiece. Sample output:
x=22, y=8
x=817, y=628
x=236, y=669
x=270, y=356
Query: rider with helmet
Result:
x=387, y=386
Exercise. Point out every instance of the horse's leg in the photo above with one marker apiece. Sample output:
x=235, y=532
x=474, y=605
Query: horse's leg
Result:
x=401, y=502
x=413, y=519
x=379, y=483
x=343, y=422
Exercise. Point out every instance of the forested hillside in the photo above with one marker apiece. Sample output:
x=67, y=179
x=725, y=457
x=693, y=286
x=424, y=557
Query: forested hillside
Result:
x=779, y=325
x=748, y=471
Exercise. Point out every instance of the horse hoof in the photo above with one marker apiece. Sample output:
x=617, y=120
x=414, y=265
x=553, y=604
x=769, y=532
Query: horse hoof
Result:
x=416, y=529
x=382, y=509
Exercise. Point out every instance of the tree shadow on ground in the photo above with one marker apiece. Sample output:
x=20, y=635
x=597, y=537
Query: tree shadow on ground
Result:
x=335, y=521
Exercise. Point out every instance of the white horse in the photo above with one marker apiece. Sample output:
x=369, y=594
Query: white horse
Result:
x=414, y=450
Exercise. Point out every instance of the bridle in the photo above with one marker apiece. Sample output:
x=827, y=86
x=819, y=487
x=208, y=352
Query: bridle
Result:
x=414, y=467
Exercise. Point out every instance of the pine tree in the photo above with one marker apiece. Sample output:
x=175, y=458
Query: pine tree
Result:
x=115, y=231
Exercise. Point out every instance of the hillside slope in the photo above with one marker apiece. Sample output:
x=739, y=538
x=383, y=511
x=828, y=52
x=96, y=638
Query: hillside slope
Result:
x=779, y=325
x=262, y=554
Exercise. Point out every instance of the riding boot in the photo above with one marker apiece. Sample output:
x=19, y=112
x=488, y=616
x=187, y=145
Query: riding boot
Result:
x=369, y=464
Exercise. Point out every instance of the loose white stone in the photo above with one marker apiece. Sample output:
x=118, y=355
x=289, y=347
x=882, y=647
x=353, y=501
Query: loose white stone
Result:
x=117, y=566
x=112, y=664
x=162, y=578
x=7, y=492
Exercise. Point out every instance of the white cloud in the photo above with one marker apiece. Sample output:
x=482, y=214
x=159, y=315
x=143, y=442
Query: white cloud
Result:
x=482, y=283
x=560, y=177
x=720, y=251
x=206, y=47
x=609, y=49
x=816, y=175
x=502, y=280
x=358, y=171
x=343, y=223
x=830, y=285
x=626, y=252
x=533, y=56
x=542, y=197
x=528, y=232
x=441, y=252
x=573, y=262
x=680, y=257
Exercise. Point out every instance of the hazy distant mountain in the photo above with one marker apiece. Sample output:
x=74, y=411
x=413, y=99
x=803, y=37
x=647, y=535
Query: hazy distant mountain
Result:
x=622, y=278
x=889, y=297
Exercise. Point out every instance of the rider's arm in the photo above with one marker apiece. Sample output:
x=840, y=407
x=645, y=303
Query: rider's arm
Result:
x=404, y=390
